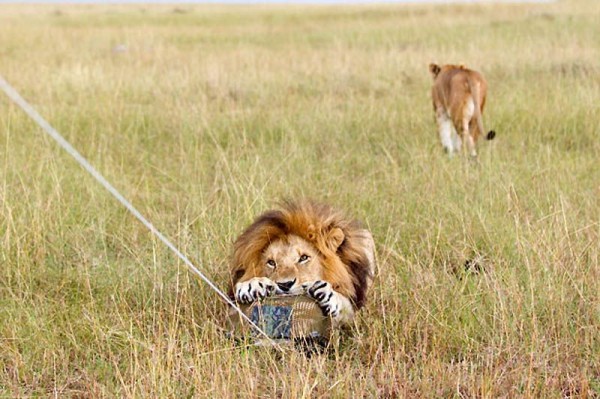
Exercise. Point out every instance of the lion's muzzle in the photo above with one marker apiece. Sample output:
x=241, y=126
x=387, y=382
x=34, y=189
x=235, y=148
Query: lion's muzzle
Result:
x=286, y=285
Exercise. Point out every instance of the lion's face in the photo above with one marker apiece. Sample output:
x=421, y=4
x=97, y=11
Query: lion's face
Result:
x=290, y=262
x=299, y=244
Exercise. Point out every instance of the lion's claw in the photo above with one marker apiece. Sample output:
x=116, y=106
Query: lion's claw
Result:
x=254, y=289
x=326, y=297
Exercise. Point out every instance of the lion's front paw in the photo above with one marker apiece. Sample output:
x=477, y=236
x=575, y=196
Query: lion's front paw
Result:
x=325, y=295
x=254, y=289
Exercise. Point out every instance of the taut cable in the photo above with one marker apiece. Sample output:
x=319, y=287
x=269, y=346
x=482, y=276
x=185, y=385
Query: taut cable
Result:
x=33, y=114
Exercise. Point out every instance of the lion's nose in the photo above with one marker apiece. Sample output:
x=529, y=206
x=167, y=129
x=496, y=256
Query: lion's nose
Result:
x=285, y=286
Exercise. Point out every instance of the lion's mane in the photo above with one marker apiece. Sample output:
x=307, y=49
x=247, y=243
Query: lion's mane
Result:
x=349, y=269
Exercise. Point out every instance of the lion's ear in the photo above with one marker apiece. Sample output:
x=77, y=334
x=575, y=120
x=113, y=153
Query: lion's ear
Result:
x=310, y=232
x=335, y=238
x=434, y=69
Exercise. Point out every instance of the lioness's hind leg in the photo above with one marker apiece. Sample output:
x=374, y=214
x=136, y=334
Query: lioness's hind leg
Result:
x=456, y=141
x=471, y=146
x=445, y=131
x=469, y=140
x=468, y=114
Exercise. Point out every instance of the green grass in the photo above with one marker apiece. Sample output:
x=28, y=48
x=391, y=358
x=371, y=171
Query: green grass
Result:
x=213, y=114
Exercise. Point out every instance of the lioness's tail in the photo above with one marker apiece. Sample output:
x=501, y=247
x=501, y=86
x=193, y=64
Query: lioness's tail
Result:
x=477, y=112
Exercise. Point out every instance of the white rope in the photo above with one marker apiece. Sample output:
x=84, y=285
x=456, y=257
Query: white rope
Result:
x=33, y=114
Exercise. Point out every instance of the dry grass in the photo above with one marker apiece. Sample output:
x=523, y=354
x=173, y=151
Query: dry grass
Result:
x=205, y=116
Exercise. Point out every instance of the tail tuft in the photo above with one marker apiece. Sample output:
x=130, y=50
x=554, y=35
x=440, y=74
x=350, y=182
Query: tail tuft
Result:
x=491, y=134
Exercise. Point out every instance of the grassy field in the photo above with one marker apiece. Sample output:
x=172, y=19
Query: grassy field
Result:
x=205, y=116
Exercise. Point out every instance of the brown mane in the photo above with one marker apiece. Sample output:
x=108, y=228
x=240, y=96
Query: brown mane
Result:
x=349, y=268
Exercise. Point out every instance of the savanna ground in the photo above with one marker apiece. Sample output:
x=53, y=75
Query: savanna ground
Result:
x=204, y=116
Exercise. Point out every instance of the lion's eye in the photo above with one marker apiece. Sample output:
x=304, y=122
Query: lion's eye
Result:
x=303, y=259
x=271, y=263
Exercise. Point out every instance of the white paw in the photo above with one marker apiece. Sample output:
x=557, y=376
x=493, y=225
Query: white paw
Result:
x=254, y=289
x=329, y=300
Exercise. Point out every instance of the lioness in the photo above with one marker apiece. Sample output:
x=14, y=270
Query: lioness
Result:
x=458, y=96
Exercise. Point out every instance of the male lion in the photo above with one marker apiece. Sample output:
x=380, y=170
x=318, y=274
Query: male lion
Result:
x=458, y=96
x=305, y=247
